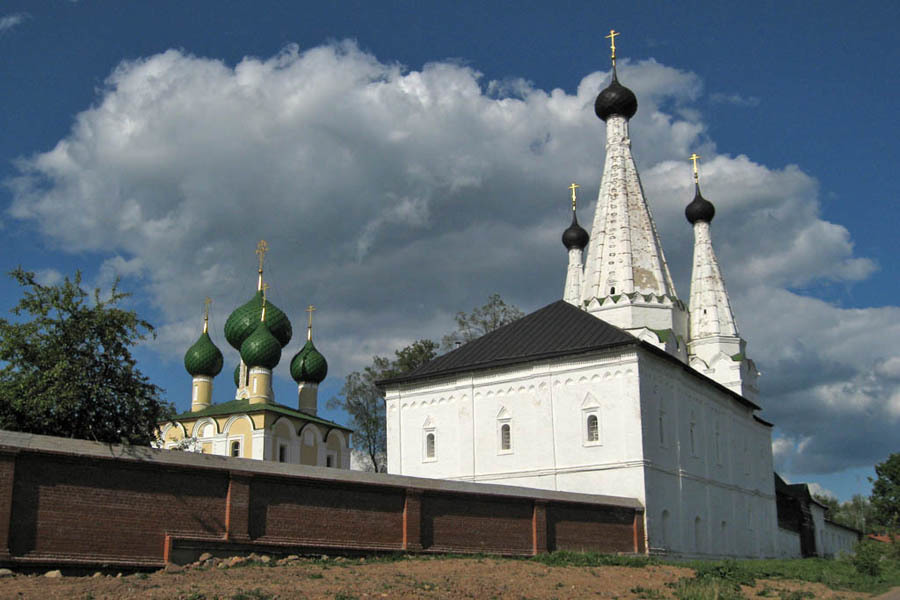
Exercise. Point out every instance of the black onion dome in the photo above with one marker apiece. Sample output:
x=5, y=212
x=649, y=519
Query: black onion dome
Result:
x=616, y=99
x=575, y=236
x=700, y=209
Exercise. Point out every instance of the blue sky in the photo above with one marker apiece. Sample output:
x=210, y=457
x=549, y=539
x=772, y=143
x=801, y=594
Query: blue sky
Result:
x=204, y=126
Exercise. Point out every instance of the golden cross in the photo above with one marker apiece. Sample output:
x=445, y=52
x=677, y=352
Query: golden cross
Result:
x=261, y=248
x=612, y=43
x=206, y=304
x=694, y=158
x=573, y=188
x=309, y=309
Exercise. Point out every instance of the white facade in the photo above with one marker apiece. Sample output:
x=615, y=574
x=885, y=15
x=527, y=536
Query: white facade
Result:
x=691, y=452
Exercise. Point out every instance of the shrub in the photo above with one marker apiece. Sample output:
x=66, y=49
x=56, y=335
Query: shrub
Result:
x=867, y=558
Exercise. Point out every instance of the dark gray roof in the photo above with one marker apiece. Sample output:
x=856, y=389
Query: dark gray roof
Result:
x=558, y=329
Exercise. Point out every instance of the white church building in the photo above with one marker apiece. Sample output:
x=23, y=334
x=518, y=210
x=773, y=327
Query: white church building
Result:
x=618, y=388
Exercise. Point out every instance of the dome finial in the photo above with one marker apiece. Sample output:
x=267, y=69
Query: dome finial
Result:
x=616, y=99
x=612, y=46
x=309, y=310
x=206, y=304
x=575, y=237
x=700, y=209
x=261, y=248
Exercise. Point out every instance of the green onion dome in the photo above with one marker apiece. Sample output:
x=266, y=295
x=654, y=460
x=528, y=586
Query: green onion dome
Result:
x=308, y=365
x=237, y=376
x=244, y=320
x=203, y=358
x=261, y=348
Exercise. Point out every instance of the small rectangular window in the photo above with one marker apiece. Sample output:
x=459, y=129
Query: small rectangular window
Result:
x=282, y=453
x=235, y=448
x=329, y=460
x=505, y=437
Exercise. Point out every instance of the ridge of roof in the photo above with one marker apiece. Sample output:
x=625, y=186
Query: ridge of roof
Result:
x=558, y=329
x=244, y=406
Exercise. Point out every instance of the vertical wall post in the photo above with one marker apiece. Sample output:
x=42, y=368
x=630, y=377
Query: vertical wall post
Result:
x=539, y=527
x=237, y=508
x=412, y=520
x=639, y=536
x=7, y=479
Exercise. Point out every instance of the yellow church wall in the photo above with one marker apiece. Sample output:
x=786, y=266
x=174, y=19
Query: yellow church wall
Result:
x=174, y=434
x=334, y=443
x=241, y=429
x=309, y=455
x=206, y=447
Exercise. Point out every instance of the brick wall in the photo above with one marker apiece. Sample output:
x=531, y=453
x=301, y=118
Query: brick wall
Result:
x=75, y=502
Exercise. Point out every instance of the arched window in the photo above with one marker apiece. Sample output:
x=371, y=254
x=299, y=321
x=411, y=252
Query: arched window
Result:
x=429, y=440
x=505, y=437
x=235, y=448
x=593, y=429
x=429, y=445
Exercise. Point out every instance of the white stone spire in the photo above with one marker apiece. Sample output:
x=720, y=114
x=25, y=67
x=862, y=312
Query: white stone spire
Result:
x=624, y=255
x=715, y=348
x=626, y=279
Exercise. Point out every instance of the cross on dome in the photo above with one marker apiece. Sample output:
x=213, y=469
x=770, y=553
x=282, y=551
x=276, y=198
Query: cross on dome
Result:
x=612, y=44
x=573, y=187
x=309, y=309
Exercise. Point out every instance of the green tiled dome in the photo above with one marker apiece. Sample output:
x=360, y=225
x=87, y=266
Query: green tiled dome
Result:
x=203, y=358
x=237, y=376
x=244, y=320
x=308, y=365
x=261, y=348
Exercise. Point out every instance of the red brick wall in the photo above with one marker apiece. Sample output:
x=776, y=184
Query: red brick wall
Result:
x=64, y=501
x=455, y=522
x=591, y=528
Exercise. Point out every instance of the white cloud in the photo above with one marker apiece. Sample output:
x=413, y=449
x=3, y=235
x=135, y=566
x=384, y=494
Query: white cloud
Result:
x=8, y=22
x=393, y=198
x=734, y=99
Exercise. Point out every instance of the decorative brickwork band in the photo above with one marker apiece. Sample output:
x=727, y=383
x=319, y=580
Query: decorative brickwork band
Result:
x=412, y=520
x=237, y=509
x=7, y=478
x=539, y=527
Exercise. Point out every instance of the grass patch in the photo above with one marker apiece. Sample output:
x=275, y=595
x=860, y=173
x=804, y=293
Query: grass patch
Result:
x=255, y=594
x=565, y=558
x=647, y=593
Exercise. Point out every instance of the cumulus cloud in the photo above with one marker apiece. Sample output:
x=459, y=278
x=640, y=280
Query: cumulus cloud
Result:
x=392, y=198
x=8, y=22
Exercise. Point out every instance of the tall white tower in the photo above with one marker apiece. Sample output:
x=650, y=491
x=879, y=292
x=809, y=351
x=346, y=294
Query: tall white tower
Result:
x=626, y=279
x=715, y=348
x=575, y=238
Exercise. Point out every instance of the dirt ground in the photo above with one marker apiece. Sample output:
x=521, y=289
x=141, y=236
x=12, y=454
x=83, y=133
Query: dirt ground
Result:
x=338, y=579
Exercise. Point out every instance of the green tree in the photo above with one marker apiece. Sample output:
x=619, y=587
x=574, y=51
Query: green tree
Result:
x=364, y=401
x=484, y=319
x=67, y=368
x=886, y=493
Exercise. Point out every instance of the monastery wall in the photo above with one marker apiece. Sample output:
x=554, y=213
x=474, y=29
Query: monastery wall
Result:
x=75, y=502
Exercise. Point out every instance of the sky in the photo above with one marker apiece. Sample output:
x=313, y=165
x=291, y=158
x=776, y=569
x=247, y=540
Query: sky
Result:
x=405, y=160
